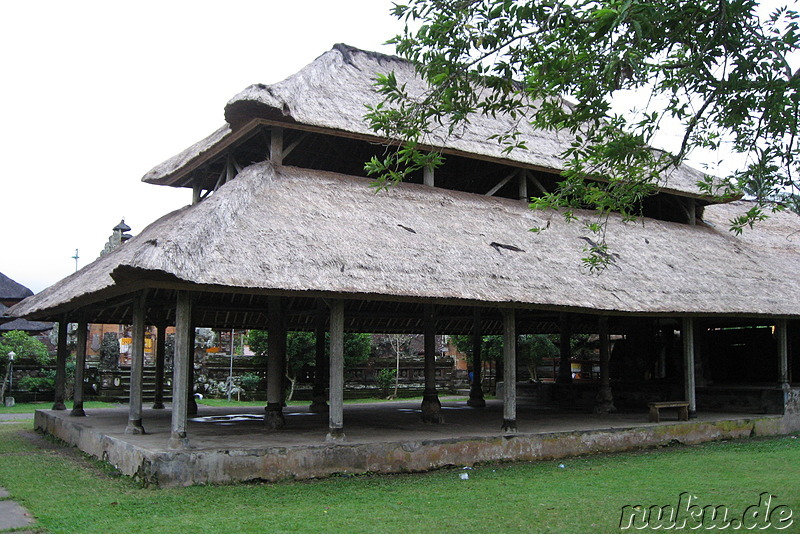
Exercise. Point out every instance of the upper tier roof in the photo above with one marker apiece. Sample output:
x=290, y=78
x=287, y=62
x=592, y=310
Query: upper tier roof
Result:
x=330, y=94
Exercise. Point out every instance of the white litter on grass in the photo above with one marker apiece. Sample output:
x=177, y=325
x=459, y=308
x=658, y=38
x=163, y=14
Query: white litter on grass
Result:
x=464, y=476
x=562, y=466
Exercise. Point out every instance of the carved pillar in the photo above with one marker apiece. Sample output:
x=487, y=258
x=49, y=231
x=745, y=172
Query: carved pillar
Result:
x=687, y=336
x=180, y=371
x=191, y=402
x=336, y=412
x=564, y=367
x=161, y=350
x=80, y=365
x=273, y=417
x=431, y=407
x=783, y=353
x=319, y=399
x=476, y=399
x=61, y=366
x=509, y=371
x=605, y=399
x=137, y=367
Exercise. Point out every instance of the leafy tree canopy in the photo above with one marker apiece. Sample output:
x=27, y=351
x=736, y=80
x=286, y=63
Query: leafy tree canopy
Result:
x=531, y=348
x=23, y=346
x=301, y=348
x=718, y=72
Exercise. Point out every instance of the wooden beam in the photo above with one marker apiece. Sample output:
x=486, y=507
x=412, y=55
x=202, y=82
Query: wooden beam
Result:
x=428, y=176
x=80, y=365
x=509, y=371
x=783, y=352
x=289, y=149
x=276, y=146
x=536, y=183
x=180, y=371
x=687, y=336
x=62, y=352
x=336, y=369
x=137, y=367
x=501, y=183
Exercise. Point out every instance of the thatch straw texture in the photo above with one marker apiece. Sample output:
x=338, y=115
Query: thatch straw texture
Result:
x=11, y=290
x=332, y=92
x=292, y=229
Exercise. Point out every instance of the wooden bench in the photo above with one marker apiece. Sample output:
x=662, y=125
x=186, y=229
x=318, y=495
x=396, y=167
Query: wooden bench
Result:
x=682, y=406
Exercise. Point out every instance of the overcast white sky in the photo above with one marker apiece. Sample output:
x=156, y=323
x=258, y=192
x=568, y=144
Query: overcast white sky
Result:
x=94, y=94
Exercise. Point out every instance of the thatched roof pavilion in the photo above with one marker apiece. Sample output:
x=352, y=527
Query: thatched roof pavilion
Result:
x=285, y=232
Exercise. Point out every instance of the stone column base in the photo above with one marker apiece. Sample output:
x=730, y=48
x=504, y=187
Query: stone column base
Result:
x=77, y=411
x=431, y=408
x=605, y=401
x=134, y=427
x=476, y=399
x=509, y=426
x=319, y=401
x=335, y=435
x=273, y=416
x=178, y=441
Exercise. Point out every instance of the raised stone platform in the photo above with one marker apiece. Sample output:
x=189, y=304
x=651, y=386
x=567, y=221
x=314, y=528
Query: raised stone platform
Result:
x=232, y=445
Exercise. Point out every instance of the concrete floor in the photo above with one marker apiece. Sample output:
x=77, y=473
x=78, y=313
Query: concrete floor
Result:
x=232, y=444
x=222, y=427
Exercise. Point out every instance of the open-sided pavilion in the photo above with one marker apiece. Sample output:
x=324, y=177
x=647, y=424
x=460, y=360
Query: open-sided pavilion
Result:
x=284, y=233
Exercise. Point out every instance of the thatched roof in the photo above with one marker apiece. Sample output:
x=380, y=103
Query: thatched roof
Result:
x=331, y=94
x=291, y=229
x=11, y=290
x=25, y=326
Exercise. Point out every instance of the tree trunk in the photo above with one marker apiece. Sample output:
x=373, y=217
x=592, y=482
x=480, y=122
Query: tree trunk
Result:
x=3, y=385
x=292, y=382
x=397, y=370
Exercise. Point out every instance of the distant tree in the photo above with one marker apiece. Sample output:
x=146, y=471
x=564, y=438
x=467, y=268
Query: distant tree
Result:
x=24, y=347
x=398, y=345
x=531, y=349
x=301, y=351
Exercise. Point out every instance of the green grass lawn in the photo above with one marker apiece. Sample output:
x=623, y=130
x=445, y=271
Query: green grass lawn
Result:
x=68, y=493
x=30, y=407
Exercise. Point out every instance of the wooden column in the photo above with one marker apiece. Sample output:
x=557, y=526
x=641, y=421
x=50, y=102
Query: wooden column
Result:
x=605, y=398
x=161, y=351
x=783, y=353
x=191, y=402
x=319, y=395
x=509, y=371
x=137, y=367
x=180, y=371
x=80, y=365
x=273, y=417
x=61, y=366
x=276, y=147
x=687, y=336
x=428, y=176
x=336, y=412
x=476, y=399
x=431, y=406
x=564, y=367
x=523, y=186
